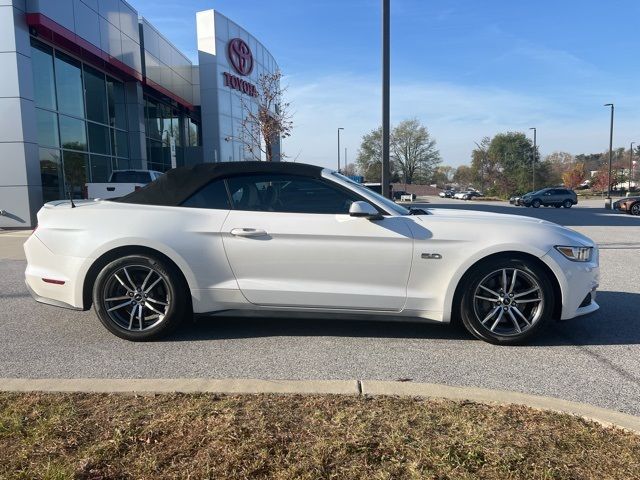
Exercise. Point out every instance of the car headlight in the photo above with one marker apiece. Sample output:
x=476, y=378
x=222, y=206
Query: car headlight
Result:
x=576, y=254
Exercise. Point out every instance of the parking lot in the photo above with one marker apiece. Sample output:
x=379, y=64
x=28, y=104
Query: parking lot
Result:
x=594, y=359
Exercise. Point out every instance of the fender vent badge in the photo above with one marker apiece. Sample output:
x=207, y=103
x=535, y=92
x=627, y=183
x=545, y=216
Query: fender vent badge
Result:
x=431, y=256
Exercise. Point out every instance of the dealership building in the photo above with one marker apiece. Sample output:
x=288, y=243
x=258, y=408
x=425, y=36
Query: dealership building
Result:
x=90, y=86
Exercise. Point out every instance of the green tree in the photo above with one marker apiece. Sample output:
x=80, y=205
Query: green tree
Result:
x=483, y=165
x=464, y=176
x=413, y=150
x=560, y=164
x=442, y=176
x=369, y=159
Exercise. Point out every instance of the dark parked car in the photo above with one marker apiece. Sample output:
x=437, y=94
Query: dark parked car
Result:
x=397, y=195
x=628, y=205
x=447, y=193
x=470, y=195
x=551, y=197
x=517, y=199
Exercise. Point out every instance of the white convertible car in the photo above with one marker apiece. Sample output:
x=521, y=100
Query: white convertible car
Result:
x=284, y=238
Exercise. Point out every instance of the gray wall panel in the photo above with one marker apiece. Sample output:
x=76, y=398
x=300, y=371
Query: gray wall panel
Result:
x=16, y=202
x=110, y=10
x=129, y=21
x=131, y=53
x=87, y=23
x=92, y=4
x=60, y=11
x=110, y=39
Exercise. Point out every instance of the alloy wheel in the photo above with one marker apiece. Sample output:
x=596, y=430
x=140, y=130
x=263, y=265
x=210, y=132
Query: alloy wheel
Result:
x=508, y=302
x=635, y=210
x=136, y=297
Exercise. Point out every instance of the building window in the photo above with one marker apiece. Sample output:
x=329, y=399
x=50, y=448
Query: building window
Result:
x=68, y=77
x=78, y=109
x=96, y=90
x=42, y=64
x=169, y=132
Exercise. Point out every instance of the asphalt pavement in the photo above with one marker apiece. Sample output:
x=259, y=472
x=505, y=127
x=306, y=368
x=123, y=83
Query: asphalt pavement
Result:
x=593, y=359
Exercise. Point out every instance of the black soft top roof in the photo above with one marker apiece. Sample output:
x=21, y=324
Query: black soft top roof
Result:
x=178, y=184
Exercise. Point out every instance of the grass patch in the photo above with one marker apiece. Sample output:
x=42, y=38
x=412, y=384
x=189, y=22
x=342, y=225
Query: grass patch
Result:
x=99, y=436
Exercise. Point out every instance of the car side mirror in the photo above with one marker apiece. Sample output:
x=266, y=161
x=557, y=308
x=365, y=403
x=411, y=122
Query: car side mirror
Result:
x=364, y=210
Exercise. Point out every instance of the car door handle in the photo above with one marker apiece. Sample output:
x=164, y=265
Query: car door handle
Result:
x=248, y=232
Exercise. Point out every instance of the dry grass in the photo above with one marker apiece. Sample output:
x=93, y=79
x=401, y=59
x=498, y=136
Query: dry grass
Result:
x=56, y=436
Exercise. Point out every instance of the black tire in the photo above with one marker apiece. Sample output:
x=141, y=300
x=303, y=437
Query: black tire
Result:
x=567, y=204
x=536, y=203
x=124, y=277
x=539, y=313
x=635, y=209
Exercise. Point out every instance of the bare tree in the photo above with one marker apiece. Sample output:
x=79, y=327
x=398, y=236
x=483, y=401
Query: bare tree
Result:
x=350, y=169
x=266, y=119
x=413, y=150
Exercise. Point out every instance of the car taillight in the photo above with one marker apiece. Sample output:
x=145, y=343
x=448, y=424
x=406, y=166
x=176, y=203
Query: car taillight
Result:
x=136, y=188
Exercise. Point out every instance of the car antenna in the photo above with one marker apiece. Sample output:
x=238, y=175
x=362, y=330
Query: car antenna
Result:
x=73, y=205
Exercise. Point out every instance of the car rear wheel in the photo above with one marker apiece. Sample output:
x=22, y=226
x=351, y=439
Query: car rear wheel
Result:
x=567, y=204
x=140, y=297
x=536, y=203
x=635, y=209
x=506, y=301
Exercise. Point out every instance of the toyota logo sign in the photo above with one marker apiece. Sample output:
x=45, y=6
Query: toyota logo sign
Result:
x=240, y=56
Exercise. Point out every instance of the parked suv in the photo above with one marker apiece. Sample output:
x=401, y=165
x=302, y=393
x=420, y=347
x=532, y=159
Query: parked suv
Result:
x=556, y=197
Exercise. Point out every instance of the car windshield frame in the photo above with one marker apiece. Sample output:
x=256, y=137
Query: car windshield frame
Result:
x=383, y=201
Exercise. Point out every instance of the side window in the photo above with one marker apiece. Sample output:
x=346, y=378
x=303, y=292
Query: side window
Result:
x=288, y=193
x=214, y=195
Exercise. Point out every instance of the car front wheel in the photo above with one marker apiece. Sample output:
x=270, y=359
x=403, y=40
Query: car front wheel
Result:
x=635, y=209
x=536, y=203
x=140, y=297
x=567, y=204
x=506, y=301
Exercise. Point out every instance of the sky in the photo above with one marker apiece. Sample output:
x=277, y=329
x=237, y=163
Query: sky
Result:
x=465, y=68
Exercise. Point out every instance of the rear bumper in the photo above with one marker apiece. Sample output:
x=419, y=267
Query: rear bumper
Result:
x=43, y=264
x=49, y=301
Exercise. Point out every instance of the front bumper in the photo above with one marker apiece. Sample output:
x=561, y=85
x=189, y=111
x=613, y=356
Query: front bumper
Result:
x=578, y=283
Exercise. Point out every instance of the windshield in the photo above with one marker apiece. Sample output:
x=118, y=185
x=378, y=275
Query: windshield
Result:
x=385, y=202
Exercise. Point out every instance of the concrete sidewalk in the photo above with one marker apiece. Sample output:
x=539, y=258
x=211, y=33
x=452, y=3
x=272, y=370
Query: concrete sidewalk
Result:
x=321, y=387
x=11, y=242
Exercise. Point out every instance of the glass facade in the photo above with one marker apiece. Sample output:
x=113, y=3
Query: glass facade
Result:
x=81, y=121
x=170, y=131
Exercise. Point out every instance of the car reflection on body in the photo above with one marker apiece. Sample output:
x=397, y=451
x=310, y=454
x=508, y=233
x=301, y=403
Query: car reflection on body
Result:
x=278, y=238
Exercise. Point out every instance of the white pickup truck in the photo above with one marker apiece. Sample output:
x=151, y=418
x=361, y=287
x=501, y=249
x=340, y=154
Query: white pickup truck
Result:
x=121, y=183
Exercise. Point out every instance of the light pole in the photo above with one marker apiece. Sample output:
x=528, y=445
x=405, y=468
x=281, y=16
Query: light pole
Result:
x=340, y=128
x=533, y=161
x=630, y=165
x=608, y=202
x=386, y=75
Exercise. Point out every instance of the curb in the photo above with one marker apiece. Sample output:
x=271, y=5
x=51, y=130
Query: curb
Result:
x=334, y=387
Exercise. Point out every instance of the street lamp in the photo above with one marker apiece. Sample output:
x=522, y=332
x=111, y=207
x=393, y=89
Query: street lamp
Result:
x=386, y=80
x=608, y=202
x=533, y=161
x=340, y=128
x=630, y=165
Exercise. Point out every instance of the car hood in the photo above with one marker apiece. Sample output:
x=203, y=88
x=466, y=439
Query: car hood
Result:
x=517, y=226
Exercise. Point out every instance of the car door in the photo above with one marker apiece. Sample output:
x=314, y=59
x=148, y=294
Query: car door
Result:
x=291, y=242
x=549, y=197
